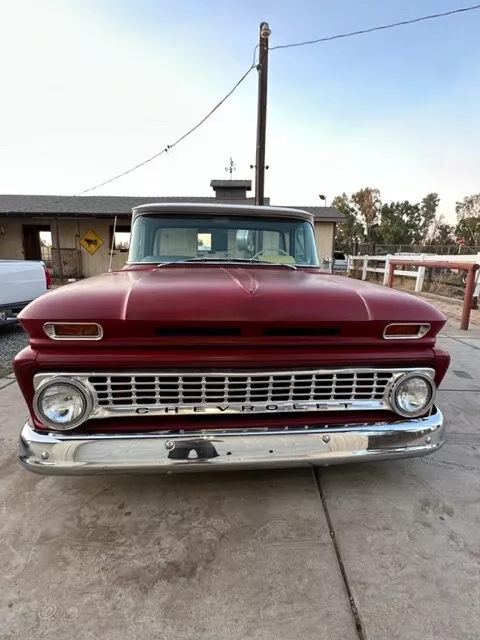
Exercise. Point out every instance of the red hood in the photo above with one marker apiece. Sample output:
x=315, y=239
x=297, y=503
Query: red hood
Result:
x=228, y=294
x=204, y=294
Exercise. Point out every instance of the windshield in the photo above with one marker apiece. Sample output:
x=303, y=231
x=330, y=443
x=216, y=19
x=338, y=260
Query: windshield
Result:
x=161, y=238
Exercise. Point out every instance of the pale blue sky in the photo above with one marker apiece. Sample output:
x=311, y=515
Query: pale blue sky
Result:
x=94, y=86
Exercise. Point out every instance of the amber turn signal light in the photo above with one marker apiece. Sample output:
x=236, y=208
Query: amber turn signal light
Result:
x=73, y=330
x=405, y=330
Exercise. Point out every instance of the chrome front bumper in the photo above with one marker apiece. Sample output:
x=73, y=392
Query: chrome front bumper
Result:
x=171, y=452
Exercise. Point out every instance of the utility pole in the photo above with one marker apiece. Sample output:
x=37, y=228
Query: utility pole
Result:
x=262, y=69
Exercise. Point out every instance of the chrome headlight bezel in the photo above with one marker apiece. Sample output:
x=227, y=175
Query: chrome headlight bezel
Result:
x=405, y=378
x=78, y=387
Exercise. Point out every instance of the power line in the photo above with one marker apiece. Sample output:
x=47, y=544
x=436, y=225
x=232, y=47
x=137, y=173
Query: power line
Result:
x=159, y=153
x=379, y=28
x=253, y=66
x=174, y=144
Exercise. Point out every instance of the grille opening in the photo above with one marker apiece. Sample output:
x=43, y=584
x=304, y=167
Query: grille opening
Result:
x=199, y=332
x=213, y=389
x=300, y=332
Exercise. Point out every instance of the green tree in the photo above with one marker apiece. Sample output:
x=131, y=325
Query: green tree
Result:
x=368, y=206
x=428, y=211
x=469, y=230
x=401, y=223
x=440, y=233
x=393, y=223
x=468, y=219
x=445, y=235
x=349, y=232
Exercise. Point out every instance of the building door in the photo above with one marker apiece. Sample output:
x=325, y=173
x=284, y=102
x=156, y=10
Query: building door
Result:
x=32, y=247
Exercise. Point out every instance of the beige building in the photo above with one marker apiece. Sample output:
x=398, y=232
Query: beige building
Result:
x=75, y=235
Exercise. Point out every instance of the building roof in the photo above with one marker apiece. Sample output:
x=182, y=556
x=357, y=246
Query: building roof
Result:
x=94, y=206
x=231, y=184
x=108, y=206
x=326, y=214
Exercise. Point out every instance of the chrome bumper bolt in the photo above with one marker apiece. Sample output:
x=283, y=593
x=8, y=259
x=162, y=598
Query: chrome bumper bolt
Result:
x=326, y=438
x=44, y=455
x=428, y=439
x=169, y=445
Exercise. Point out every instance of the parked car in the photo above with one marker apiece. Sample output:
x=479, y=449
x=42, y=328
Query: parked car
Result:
x=248, y=355
x=21, y=281
x=339, y=261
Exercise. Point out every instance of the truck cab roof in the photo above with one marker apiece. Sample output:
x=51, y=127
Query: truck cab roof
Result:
x=221, y=209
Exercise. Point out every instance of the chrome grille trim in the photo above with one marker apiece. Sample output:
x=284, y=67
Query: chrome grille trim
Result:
x=211, y=389
x=156, y=393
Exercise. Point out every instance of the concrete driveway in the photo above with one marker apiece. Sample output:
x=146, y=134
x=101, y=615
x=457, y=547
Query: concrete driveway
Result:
x=378, y=551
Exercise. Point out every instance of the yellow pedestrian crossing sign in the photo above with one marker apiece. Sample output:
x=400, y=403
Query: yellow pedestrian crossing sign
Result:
x=91, y=242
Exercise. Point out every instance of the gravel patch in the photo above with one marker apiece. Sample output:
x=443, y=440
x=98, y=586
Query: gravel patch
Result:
x=12, y=340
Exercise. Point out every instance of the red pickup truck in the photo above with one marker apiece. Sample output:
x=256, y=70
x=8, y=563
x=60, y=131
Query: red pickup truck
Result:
x=222, y=345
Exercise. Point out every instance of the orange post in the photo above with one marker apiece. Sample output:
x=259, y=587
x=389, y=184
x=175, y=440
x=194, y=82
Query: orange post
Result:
x=461, y=266
x=468, y=298
x=391, y=272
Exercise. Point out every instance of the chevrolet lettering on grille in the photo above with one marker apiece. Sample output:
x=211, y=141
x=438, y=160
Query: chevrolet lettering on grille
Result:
x=249, y=408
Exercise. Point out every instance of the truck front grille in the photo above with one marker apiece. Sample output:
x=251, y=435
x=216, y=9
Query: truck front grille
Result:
x=114, y=394
x=213, y=389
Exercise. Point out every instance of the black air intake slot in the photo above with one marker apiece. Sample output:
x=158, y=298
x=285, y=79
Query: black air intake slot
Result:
x=197, y=332
x=300, y=332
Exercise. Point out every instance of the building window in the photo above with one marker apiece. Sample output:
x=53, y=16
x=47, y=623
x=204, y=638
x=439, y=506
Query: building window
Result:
x=121, y=242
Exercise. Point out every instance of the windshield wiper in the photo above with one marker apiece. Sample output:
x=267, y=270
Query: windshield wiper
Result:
x=232, y=260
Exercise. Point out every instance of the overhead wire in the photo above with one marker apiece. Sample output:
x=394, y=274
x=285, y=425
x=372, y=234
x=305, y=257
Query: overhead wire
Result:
x=253, y=66
x=174, y=144
x=159, y=153
x=392, y=25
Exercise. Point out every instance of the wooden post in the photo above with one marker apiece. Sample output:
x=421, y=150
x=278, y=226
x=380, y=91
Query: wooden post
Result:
x=262, y=69
x=467, y=300
x=391, y=273
x=420, y=277
x=386, y=270
x=476, y=293
x=364, y=270
x=59, y=254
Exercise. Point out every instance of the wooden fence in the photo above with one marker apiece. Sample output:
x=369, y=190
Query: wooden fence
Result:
x=381, y=265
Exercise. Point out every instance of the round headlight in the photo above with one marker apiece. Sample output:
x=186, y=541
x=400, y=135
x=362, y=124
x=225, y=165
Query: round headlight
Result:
x=413, y=395
x=62, y=405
